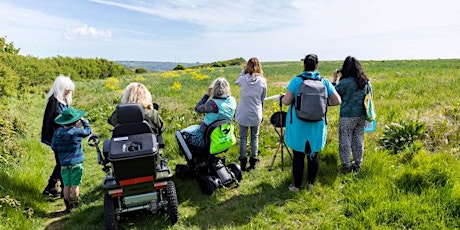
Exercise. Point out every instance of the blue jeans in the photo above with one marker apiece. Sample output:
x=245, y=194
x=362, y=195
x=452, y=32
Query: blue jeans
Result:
x=244, y=140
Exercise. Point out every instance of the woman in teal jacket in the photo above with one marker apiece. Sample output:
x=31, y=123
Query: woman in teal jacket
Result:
x=221, y=106
x=304, y=137
x=352, y=89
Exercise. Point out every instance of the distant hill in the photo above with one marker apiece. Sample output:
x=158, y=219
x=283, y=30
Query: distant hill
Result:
x=153, y=66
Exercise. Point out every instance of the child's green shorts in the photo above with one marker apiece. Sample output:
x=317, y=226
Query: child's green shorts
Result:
x=72, y=174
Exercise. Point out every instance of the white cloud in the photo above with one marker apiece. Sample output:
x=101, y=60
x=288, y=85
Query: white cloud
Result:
x=88, y=32
x=209, y=30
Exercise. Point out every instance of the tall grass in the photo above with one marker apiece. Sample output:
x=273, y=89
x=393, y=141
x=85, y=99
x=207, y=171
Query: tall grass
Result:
x=418, y=187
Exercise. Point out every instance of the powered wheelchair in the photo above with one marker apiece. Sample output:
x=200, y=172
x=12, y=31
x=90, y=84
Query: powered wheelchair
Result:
x=205, y=165
x=137, y=176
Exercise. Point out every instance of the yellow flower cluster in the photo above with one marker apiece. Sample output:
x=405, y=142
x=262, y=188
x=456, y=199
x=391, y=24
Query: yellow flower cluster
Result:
x=199, y=76
x=139, y=79
x=111, y=83
x=170, y=74
x=176, y=86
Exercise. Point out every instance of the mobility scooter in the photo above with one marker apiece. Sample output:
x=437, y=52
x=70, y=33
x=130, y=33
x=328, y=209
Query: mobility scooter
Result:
x=137, y=176
x=204, y=164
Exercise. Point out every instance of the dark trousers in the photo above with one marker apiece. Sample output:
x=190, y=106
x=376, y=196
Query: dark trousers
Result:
x=56, y=174
x=298, y=167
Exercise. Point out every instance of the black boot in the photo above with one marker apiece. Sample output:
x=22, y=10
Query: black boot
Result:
x=74, y=202
x=68, y=205
x=243, y=161
x=50, y=189
x=252, y=163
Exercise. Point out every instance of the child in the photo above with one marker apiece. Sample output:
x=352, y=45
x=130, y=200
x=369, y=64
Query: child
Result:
x=249, y=111
x=67, y=144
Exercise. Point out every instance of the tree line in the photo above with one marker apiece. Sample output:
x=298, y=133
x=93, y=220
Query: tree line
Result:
x=21, y=74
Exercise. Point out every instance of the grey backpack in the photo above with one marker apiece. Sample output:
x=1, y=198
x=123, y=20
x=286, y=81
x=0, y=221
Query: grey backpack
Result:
x=310, y=103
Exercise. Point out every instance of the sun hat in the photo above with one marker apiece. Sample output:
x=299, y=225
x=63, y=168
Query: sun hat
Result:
x=69, y=116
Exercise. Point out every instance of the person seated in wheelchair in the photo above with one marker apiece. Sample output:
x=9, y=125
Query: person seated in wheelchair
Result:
x=221, y=106
x=138, y=93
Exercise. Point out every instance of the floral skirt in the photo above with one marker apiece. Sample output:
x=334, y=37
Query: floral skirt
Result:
x=194, y=136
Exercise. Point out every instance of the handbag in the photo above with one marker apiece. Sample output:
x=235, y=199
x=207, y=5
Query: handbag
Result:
x=369, y=105
x=369, y=127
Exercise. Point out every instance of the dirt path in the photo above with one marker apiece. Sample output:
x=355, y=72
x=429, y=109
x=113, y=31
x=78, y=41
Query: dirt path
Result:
x=57, y=217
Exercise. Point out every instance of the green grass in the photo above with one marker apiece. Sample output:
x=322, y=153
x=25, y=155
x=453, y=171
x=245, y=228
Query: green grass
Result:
x=417, y=188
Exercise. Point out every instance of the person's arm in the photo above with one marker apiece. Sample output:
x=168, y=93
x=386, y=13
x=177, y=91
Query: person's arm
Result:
x=156, y=121
x=287, y=98
x=336, y=79
x=112, y=119
x=335, y=99
x=86, y=131
x=205, y=106
x=208, y=107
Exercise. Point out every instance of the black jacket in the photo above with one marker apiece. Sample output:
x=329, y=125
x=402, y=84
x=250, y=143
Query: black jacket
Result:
x=52, y=110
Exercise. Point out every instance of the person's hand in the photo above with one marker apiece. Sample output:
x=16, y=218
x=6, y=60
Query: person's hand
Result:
x=209, y=90
x=336, y=75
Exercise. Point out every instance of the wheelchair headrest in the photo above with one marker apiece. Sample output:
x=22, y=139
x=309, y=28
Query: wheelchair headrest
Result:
x=129, y=113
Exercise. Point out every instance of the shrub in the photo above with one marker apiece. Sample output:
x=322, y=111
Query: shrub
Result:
x=179, y=67
x=141, y=70
x=399, y=135
x=9, y=81
x=10, y=129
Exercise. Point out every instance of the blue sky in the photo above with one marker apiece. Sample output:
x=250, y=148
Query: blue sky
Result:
x=214, y=30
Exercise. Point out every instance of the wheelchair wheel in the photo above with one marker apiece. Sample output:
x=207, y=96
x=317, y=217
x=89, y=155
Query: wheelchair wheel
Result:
x=181, y=171
x=110, y=219
x=171, y=197
x=207, y=185
x=236, y=170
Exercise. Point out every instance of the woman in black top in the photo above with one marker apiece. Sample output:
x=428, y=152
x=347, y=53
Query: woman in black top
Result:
x=58, y=99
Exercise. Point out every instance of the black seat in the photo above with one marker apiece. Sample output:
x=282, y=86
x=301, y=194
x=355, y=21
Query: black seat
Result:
x=133, y=148
x=130, y=120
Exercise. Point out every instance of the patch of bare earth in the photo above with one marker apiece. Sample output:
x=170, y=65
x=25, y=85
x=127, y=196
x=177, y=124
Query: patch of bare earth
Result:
x=282, y=84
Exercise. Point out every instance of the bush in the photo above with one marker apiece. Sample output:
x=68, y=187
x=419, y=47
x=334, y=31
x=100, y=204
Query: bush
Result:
x=397, y=136
x=9, y=81
x=179, y=67
x=141, y=70
x=10, y=129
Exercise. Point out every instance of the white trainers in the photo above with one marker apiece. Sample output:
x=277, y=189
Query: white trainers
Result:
x=293, y=188
x=309, y=187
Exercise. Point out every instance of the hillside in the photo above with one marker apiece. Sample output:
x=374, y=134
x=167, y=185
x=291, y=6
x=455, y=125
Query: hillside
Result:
x=153, y=65
x=411, y=183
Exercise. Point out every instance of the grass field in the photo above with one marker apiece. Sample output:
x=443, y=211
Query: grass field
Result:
x=412, y=185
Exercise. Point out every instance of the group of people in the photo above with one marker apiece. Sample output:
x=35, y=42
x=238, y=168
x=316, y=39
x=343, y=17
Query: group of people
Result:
x=307, y=139
x=219, y=104
x=64, y=127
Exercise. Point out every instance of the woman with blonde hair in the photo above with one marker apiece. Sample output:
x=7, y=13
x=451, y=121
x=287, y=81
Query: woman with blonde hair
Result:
x=221, y=106
x=138, y=93
x=58, y=99
x=249, y=111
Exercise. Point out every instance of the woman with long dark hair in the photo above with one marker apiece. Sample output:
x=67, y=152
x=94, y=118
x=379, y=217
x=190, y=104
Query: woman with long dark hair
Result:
x=352, y=89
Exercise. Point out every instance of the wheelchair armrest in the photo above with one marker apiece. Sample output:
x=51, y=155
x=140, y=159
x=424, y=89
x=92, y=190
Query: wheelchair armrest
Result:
x=106, y=148
x=161, y=141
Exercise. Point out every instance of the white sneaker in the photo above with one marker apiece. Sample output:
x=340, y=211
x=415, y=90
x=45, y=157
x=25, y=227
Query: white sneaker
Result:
x=309, y=187
x=293, y=188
